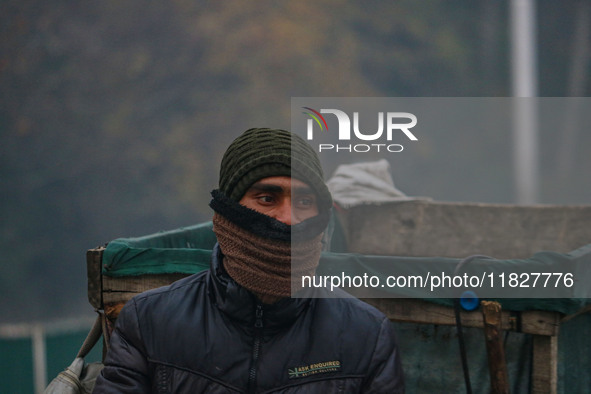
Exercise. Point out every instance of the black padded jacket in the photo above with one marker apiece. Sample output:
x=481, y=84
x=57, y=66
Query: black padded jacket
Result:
x=207, y=334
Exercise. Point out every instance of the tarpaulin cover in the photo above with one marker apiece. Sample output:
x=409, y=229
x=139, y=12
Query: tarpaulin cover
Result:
x=188, y=251
x=185, y=250
x=430, y=356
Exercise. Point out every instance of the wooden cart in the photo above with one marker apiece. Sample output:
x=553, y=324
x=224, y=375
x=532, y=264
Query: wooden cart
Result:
x=423, y=228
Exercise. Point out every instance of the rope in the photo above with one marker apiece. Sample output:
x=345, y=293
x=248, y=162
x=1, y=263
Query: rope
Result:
x=461, y=340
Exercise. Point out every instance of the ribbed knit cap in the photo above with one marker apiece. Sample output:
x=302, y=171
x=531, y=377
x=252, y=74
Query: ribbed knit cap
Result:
x=261, y=153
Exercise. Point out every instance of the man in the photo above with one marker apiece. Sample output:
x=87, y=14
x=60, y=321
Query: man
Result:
x=235, y=328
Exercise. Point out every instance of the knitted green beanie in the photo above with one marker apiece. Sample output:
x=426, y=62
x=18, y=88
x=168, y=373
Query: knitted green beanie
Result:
x=260, y=153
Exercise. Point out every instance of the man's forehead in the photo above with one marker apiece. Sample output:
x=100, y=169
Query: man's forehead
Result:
x=282, y=184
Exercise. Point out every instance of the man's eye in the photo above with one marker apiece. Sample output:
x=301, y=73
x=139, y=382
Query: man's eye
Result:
x=305, y=201
x=265, y=199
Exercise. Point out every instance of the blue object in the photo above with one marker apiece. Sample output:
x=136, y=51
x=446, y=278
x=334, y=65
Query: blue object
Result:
x=469, y=300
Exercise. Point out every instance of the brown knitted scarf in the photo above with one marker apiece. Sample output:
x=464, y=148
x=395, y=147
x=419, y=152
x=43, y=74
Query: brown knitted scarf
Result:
x=269, y=268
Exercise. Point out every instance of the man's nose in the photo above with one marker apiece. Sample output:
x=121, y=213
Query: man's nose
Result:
x=283, y=213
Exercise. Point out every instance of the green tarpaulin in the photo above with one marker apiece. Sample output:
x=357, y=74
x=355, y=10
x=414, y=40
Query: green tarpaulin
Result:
x=188, y=250
x=430, y=353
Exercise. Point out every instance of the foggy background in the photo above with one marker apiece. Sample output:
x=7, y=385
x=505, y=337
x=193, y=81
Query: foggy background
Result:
x=114, y=115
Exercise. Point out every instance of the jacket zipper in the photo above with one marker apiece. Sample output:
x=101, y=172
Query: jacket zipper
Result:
x=258, y=337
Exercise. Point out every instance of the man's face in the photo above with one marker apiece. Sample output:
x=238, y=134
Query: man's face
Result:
x=286, y=199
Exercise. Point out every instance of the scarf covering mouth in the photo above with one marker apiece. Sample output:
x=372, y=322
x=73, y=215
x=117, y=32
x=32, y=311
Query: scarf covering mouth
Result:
x=269, y=268
x=265, y=226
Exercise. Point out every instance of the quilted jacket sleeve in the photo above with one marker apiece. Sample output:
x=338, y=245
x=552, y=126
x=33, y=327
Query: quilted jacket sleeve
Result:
x=385, y=375
x=126, y=365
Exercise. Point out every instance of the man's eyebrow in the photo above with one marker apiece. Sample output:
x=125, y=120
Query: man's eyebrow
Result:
x=302, y=190
x=272, y=188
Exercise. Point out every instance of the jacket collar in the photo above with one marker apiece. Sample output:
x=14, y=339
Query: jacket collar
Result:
x=241, y=305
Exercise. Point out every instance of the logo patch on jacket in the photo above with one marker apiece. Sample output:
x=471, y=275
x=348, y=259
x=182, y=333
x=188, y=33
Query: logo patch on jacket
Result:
x=313, y=369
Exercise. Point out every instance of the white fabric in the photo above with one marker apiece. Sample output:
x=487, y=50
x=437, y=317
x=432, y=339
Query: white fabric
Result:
x=364, y=183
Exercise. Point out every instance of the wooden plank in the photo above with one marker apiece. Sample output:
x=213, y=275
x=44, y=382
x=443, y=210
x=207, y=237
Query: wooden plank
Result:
x=545, y=364
x=94, y=259
x=497, y=365
x=540, y=322
x=446, y=229
x=122, y=289
x=424, y=312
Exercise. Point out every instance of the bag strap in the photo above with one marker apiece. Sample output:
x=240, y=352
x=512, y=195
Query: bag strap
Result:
x=92, y=337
